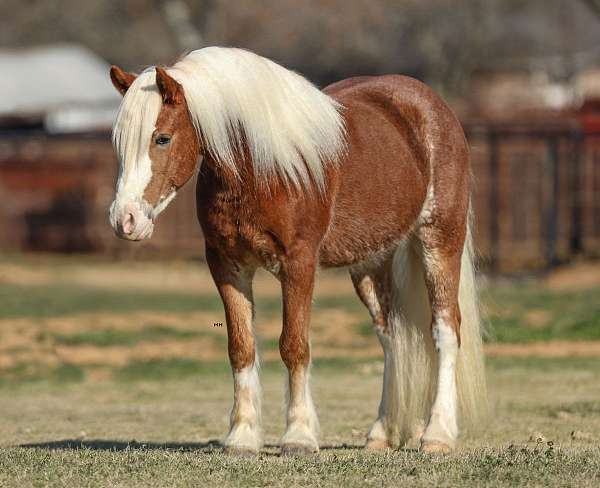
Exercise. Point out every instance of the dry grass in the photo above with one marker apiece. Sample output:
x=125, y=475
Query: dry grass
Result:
x=164, y=431
x=117, y=376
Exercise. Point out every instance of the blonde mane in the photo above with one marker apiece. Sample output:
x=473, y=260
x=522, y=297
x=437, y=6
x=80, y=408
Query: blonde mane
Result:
x=236, y=97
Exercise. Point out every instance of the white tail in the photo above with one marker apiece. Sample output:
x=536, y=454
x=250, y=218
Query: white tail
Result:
x=411, y=360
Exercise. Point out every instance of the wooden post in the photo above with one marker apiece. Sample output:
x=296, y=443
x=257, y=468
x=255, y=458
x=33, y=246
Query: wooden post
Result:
x=576, y=238
x=551, y=213
x=494, y=200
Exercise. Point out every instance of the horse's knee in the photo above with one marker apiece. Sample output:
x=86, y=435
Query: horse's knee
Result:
x=446, y=320
x=294, y=349
x=241, y=352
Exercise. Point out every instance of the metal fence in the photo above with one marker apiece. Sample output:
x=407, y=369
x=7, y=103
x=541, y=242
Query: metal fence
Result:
x=537, y=194
x=536, y=198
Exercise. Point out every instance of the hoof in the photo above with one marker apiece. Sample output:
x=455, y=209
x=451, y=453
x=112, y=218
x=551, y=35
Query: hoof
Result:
x=435, y=447
x=294, y=450
x=377, y=445
x=242, y=452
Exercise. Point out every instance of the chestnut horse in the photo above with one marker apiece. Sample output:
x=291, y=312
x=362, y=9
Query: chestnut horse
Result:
x=371, y=173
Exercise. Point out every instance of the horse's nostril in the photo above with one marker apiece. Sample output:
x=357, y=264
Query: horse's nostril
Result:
x=128, y=224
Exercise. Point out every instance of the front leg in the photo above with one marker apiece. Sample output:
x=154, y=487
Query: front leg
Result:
x=297, y=281
x=234, y=283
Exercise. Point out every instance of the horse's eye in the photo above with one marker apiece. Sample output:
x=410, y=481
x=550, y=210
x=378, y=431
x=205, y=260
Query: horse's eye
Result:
x=162, y=139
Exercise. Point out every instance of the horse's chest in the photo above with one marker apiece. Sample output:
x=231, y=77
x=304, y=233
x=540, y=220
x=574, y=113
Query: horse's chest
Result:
x=231, y=226
x=224, y=223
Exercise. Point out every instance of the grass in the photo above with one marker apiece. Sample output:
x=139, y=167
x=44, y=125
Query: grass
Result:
x=160, y=427
x=45, y=301
x=169, y=369
x=520, y=313
x=155, y=420
x=173, y=368
x=582, y=409
x=32, y=373
x=112, y=337
x=524, y=313
x=208, y=467
x=549, y=364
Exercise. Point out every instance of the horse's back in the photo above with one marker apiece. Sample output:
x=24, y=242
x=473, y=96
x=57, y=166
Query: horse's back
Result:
x=394, y=125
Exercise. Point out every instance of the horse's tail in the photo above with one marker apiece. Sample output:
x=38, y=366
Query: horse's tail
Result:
x=411, y=360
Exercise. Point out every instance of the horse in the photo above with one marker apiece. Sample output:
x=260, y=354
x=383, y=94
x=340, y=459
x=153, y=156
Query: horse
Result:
x=372, y=173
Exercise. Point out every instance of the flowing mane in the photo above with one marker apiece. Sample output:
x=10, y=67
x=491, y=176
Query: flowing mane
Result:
x=290, y=127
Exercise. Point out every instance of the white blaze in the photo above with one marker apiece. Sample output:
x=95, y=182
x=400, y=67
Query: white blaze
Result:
x=132, y=133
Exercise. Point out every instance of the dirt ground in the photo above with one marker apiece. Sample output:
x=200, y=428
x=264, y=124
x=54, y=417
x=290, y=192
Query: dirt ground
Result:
x=164, y=276
x=116, y=374
x=337, y=331
x=543, y=431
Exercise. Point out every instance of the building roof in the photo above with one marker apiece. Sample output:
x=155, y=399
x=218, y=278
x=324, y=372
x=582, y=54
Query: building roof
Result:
x=66, y=85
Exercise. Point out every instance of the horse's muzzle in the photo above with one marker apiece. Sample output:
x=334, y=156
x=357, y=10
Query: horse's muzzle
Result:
x=130, y=222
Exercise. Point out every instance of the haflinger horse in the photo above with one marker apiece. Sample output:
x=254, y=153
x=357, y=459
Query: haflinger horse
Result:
x=371, y=173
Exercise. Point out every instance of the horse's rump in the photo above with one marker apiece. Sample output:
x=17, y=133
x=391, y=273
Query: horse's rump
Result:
x=396, y=128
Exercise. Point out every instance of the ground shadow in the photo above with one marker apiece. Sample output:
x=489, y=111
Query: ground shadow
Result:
x=113, y=445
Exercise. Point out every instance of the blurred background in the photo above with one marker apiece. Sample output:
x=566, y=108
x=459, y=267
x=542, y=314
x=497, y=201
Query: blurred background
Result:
x=103, y=341
x=522, y=75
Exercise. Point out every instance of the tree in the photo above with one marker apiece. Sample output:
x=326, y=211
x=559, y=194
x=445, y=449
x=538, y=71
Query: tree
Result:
x=593, y=5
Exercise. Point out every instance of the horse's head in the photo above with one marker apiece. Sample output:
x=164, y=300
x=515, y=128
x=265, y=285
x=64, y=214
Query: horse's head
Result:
x=157, y=146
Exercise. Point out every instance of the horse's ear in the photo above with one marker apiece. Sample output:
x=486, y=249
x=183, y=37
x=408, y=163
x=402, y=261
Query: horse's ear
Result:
x=170, y=90
x=121, y=79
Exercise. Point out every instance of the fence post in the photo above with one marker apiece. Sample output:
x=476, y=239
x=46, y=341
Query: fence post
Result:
x=551, y=217
x=494, y=199
x=576, y=238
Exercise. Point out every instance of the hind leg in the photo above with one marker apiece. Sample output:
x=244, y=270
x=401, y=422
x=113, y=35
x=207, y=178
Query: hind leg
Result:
x=373, y=288
x=442, y=274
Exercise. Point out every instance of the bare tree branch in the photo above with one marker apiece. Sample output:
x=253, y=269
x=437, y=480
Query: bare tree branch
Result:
x=593, y=5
